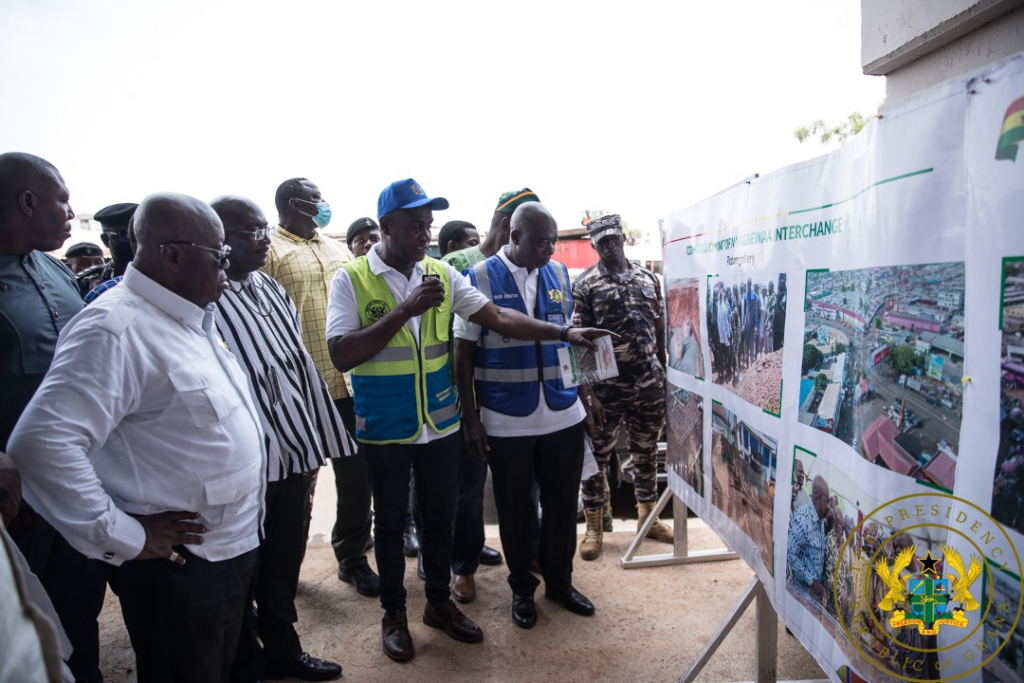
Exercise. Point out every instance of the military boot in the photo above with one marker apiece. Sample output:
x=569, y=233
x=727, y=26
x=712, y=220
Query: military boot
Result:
x=590, y=548
x=658, y=531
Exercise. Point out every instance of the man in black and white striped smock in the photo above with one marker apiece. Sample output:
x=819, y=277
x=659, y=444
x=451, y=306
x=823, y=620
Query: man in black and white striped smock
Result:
x=303, y=428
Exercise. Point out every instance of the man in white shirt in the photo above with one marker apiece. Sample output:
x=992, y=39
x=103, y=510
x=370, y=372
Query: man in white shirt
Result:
x=530, y=425
x=160, y=447
x=388, y=322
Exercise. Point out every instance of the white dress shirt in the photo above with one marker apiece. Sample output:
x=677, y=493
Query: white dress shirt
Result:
x=343, y=314
x=543, y=420
x=144, y=410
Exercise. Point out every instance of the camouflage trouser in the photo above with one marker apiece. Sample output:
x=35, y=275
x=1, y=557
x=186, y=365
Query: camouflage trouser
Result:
x=641, y=405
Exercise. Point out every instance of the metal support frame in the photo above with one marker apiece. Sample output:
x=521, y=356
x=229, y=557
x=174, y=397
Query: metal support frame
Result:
x=766, y=637
x=681, y=553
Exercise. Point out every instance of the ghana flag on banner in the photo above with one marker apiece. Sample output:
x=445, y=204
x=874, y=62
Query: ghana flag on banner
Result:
x=1013, y=131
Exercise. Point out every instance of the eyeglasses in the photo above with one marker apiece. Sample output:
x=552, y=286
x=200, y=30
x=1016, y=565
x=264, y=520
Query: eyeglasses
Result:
x=259, y=233
x=219, y=255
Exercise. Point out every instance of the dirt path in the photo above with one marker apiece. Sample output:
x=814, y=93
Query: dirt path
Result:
x=649, y=626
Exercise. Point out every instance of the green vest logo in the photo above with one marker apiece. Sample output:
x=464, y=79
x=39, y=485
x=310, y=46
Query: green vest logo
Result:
x=376, y=309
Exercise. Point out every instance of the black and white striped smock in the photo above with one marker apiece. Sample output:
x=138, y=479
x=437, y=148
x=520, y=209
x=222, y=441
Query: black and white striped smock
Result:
x=261, y=327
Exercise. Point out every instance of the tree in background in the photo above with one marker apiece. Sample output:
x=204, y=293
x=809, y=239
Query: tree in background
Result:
x=902, y=358
x=853, y=124
x=812, y=356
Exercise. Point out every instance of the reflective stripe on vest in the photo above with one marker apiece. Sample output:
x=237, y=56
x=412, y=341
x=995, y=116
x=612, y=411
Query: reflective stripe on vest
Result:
x=506, y=372
x=404, y=385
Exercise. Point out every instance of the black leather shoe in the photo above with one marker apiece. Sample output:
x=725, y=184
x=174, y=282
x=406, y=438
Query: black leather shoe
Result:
x=420, y=574
x=395, y=636
x=362, y=577
x=304, y=667
x=410, y=546
x=572, y=600
x=447, y=617
x=524, y=611
x=490, y=556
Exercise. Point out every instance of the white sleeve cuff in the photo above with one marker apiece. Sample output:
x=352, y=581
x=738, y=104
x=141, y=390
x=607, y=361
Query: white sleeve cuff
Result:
x=125, y=539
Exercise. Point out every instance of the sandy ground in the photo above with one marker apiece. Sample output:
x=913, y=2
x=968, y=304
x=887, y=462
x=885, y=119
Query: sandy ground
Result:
x=649, y=626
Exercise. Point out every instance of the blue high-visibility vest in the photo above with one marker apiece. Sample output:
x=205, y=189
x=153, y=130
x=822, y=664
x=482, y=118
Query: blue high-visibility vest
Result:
x=509, y=373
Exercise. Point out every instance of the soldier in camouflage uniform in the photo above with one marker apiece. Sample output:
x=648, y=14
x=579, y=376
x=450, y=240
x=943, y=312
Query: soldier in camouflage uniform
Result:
x=619, y=296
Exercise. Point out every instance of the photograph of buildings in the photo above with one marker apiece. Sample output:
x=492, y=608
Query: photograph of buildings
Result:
x=1008, y=484
x=746, y=317
x=1008, y=665
x=882, y=363
x=743, y=462
x=686, y=438
x=684, y=337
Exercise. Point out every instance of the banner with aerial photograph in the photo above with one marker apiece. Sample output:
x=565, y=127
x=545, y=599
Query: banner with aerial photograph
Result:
x=846, y=385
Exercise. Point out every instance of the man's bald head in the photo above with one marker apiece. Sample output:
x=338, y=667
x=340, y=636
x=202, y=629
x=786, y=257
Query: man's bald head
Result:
x=819, y=495
x=533, y=236
x=243, y=221
x=231, y=209
x=177, y=238
x=166, y=217
x=20, y=171
x=34, y=209
x=531, y=215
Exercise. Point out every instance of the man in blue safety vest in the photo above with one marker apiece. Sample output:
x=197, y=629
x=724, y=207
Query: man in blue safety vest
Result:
x=388, y=323
x=530, y=425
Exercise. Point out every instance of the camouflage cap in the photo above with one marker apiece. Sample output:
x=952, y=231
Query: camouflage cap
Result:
x=610, y=224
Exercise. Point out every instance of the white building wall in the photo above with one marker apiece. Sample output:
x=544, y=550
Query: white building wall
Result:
x=919, y=43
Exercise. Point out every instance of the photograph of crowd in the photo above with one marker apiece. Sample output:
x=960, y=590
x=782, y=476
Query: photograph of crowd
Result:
x=686, y=438
x=746, y=329
x=1008, y=665
x=684, y=345
x=882, y=362
x=839, y=586
x=1008, y=484
x=743, y=462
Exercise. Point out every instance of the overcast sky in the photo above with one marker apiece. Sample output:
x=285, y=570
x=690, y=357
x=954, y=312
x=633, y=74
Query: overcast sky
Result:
x=635, y=107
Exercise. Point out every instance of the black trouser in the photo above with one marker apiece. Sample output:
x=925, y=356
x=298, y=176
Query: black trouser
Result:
x=76, y=586
x=556, y=462
x=468, y=526
x=435, y=465
x=277, y=577
x=351, y=533
x=184, y=621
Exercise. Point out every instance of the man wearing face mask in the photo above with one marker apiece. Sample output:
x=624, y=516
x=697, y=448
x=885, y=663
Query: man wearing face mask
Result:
x=113, y=221
x=304, y=263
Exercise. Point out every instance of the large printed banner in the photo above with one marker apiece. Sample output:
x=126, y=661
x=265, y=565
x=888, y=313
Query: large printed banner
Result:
x=846, y=369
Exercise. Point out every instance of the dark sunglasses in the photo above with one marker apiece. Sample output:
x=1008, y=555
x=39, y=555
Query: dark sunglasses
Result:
x=219, y=255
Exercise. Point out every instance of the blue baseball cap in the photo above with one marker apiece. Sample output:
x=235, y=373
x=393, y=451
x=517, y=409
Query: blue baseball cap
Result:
x=406, y=194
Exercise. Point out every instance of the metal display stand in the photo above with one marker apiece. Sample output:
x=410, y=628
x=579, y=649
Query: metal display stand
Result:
x=766, y=620
x=681, y=553
x=766, y=637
